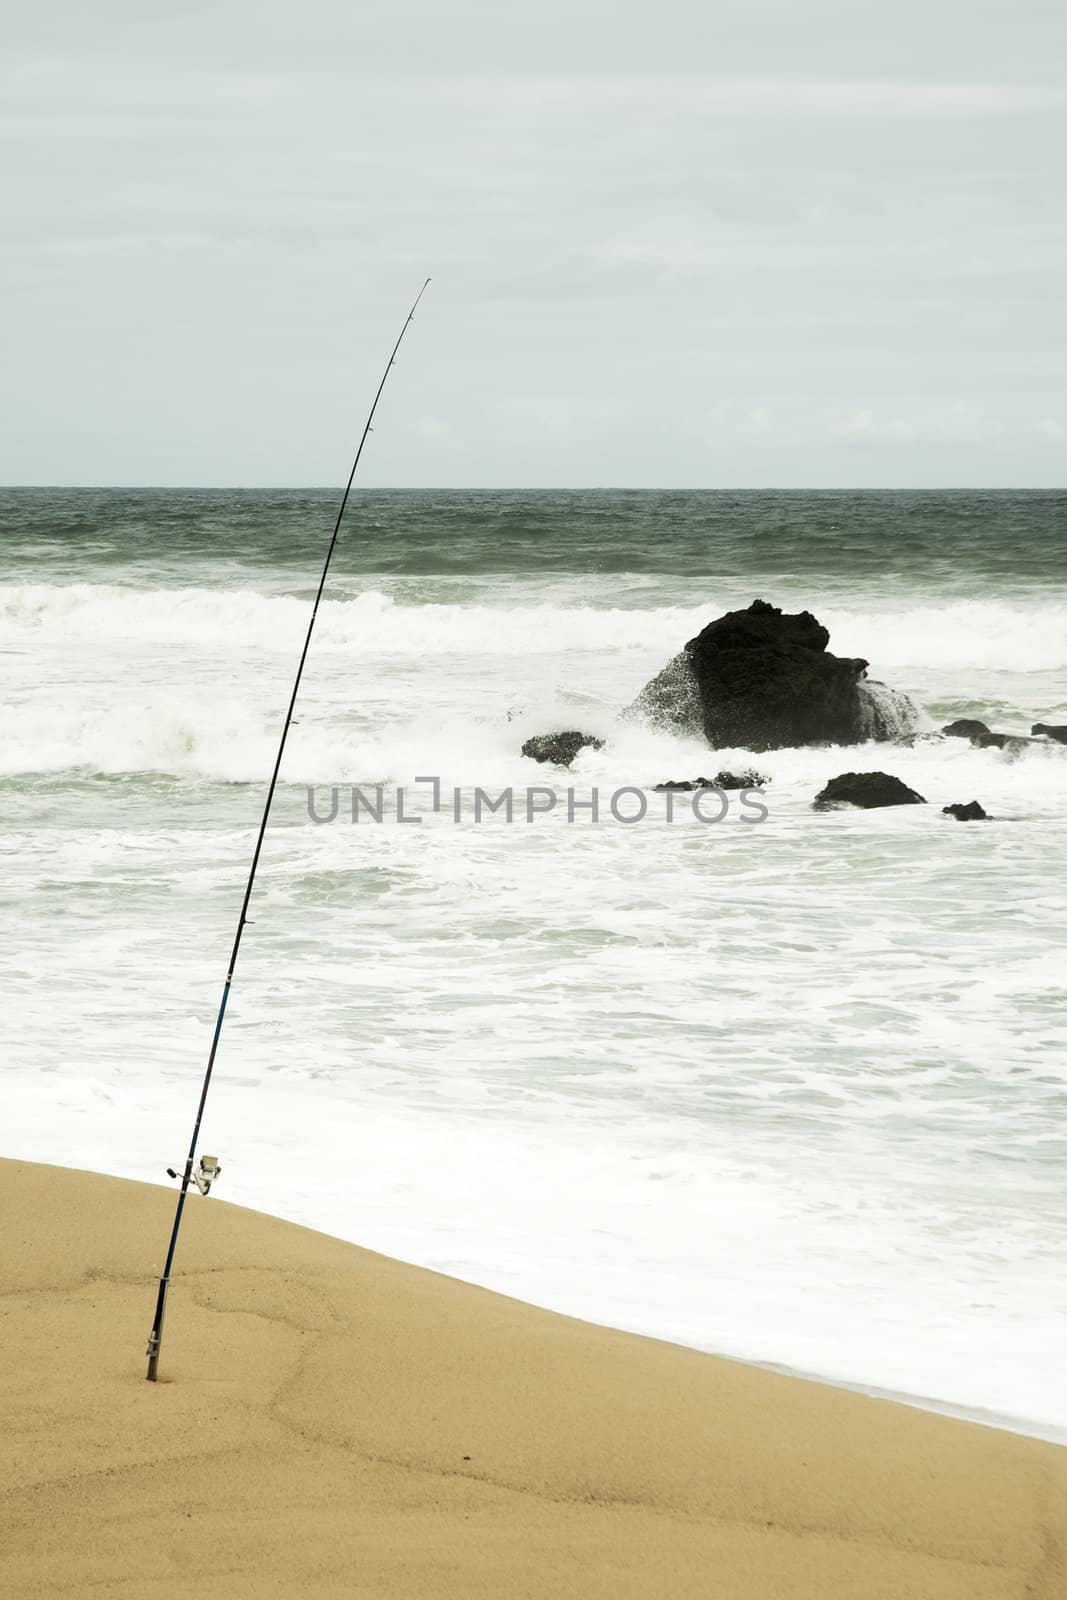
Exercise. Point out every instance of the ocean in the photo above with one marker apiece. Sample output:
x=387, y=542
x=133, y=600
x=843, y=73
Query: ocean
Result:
x=792, y=1090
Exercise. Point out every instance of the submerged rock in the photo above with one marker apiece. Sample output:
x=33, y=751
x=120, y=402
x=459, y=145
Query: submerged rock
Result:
x=984, y=738
x=749, y=779
x=721, y=780
x=971, y=812
x=867, y=789
x=1057, y=732
x=560, y=749
x=762, y=678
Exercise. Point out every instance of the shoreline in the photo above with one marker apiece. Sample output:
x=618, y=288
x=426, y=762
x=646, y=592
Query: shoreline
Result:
x=1022, y=1427
x=1002, y=1421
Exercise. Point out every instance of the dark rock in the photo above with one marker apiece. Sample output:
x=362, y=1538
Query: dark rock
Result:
x=1059, y=732
x=971, y=812
x=867, y=789
x=965, y=728
x=762, y=678
x=721, y=780
x=740, y=780
x=560, y=748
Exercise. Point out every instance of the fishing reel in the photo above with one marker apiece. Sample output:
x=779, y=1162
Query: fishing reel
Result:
x=205, y=1174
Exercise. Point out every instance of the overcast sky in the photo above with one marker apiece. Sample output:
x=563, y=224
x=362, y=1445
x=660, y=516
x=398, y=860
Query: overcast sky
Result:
x=770, y=242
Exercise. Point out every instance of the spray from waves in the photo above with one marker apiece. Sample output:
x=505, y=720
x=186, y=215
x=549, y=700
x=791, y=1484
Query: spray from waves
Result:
x=231, y=742
x=182, y=738
x=970, y=635
x=885, y=713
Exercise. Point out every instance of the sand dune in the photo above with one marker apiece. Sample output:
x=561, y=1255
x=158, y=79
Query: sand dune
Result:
x=331, y=1422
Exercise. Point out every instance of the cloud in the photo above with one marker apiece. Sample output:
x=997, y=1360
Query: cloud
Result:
x=867, y=425
x=759, y=97
x=757, y=420
x=957, y=419
x=433, y=429
x=245, y=89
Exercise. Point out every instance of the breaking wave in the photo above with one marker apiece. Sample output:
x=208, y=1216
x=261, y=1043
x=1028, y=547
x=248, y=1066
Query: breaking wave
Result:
x=969, y=635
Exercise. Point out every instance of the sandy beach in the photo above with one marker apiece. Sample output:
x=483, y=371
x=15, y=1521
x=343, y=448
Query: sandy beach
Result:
x=332, y=1422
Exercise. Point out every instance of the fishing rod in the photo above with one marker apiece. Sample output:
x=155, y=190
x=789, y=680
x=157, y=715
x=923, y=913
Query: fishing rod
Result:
x=209, y=1168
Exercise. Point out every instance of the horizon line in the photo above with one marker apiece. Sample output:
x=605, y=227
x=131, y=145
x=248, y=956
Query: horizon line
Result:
x=559, y=488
